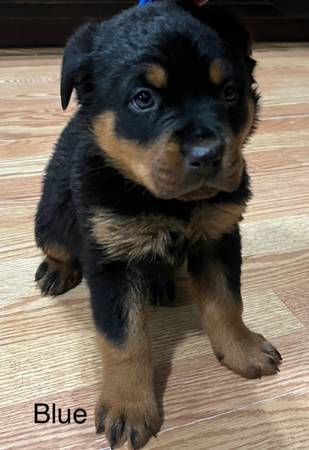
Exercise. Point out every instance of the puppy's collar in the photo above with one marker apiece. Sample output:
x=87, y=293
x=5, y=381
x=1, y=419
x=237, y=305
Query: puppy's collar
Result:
x=144, y=2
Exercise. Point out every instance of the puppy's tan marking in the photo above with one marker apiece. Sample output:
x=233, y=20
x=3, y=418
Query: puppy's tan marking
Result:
x=158, y=167
x=199, y=194
x=157, y=76
x=130, y=158
x=232, y=162
x=216, y=72
x=57, y=252
x=134, y=238
x=243, y=351
x=59, y=271
x=211, y=221
x=127, y=397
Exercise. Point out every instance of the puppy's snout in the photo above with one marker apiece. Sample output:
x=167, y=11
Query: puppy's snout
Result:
x=203, y=154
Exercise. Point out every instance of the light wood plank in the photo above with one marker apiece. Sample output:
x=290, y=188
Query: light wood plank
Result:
x=280, y=423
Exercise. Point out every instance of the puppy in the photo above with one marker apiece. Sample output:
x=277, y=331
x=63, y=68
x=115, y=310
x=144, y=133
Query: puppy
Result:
x=149, y=173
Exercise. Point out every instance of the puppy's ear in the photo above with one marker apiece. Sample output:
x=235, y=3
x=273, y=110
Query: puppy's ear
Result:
x=76, y=63
x=229, y=27
x=233, y=31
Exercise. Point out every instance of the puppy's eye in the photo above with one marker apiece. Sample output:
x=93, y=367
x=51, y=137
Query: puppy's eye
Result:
x=230, y=94
x=142, y=100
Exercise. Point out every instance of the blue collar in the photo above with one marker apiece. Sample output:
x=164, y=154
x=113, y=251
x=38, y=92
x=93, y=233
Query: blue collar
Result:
x=144, y=2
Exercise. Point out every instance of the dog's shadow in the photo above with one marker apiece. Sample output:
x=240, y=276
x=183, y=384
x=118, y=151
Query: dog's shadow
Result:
x=170, y=329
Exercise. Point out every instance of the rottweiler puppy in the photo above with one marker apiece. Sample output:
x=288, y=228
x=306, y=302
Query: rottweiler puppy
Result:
x=149, y=173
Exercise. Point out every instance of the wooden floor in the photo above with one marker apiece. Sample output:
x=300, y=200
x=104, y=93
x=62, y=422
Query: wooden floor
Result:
x=48, y=352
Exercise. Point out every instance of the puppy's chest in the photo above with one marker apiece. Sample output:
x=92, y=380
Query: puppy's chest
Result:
x=160, y=238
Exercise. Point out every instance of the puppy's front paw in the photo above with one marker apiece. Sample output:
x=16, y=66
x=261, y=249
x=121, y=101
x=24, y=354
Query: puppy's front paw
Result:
x=252, y=356
x=133, y=422
x=56, y=278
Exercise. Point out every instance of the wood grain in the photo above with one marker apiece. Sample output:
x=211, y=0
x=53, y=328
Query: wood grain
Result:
x=263, y=425
x=48, y=352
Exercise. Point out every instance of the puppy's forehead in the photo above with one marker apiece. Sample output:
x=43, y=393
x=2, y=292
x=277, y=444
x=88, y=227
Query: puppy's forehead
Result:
x=158, y=33
x=189, y=63
x=185, y=59
x=159, y=76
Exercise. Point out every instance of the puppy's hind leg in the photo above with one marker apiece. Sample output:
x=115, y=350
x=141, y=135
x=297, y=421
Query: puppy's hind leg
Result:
x=59, y=272
x=57, y=235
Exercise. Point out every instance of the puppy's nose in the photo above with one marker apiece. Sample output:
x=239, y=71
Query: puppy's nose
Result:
x=201, y=155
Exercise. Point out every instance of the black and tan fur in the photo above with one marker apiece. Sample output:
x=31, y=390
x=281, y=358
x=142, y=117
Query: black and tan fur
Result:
x=150, y=173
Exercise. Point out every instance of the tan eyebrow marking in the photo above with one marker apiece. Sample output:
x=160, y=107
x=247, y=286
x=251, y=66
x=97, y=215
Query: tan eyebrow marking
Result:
x=156, y=75
x=216, y=72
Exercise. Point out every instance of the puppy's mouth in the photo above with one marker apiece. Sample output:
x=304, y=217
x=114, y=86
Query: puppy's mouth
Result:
x=198, y=194
x=178, y=185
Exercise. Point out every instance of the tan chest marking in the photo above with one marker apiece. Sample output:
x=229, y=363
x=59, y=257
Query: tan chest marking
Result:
x=138, y=238
x=211, y=221
x=134, y=238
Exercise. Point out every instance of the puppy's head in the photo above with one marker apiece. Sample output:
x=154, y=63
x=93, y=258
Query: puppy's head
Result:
x=169, y=96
